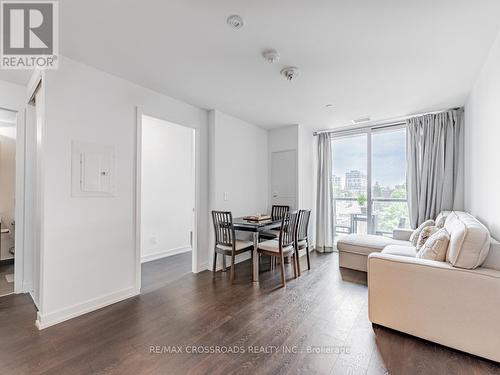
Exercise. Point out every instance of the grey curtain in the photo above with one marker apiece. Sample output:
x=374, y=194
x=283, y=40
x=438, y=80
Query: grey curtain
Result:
x=433, y=162
x=324, y=196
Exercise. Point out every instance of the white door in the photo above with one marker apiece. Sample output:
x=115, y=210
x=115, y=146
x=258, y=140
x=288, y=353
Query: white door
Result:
x=284, y=178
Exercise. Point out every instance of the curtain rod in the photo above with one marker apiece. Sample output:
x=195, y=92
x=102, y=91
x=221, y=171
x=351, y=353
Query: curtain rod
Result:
x=381, y=123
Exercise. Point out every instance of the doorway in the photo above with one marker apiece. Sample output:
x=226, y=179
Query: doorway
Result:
x=8, y=146
x=167, y=201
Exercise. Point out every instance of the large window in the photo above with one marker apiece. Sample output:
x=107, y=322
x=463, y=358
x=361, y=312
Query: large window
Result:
x=369, y=181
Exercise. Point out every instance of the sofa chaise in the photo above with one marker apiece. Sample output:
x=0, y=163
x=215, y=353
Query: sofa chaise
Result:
x=455, y=303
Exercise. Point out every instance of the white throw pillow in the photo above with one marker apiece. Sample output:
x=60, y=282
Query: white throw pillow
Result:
x=469, y=240
x=441, y=219
x=416, y=232
x=436, y=246
x=424, y=235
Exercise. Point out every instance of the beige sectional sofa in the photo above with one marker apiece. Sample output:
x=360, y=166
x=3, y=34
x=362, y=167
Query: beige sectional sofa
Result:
x=355, y=248
x=454, y=303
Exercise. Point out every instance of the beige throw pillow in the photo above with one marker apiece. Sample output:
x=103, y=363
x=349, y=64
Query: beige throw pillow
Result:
x=436, y=246
x=424, y=235
x=416, y=232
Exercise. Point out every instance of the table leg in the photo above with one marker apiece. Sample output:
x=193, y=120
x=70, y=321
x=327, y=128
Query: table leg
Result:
x=255, y=257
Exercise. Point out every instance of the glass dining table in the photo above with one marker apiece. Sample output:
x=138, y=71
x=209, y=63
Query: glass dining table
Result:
x=255, y=227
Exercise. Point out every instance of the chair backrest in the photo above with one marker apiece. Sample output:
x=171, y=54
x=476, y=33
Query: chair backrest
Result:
x=223, y=227
x=288, y=229
x=277, y=211
x=303, y=224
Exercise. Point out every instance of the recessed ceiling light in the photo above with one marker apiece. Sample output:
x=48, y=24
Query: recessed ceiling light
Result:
x=235, y=21
x=271, y=56
x=361, y=119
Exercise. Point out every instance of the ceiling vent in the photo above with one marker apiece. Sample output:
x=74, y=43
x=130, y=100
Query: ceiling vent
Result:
x=290, y=73
x=235, y=21
x=361, y=120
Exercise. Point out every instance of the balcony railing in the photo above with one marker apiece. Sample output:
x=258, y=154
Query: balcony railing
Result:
x=387, y=215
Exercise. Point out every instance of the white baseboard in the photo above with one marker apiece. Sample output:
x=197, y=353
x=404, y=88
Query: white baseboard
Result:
x=165, y=253
x=46, y=320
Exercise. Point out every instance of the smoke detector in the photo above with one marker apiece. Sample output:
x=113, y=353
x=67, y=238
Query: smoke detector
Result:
x=235, y=21
x=290, y=72
x=271, y=56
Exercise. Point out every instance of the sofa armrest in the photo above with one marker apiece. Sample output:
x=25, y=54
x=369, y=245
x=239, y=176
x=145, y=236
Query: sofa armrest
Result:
x=437, y=302
x=402, y=234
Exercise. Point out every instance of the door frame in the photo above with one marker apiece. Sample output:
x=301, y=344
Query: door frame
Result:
x=140, y=112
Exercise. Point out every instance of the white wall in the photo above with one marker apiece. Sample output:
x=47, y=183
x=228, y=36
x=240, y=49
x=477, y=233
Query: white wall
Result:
x=307, y=148
x=167, y=188
x=7, y=184
x=89, y=257
x=482, y=140
x=238, y=167
x=301, y=139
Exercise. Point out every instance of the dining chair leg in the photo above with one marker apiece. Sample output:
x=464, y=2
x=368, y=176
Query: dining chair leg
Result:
x=282, y=264
x=215, y=263
x=307, y=254
x=224, y=267
x=297, y=260
x=232, y=267
x=294, y=262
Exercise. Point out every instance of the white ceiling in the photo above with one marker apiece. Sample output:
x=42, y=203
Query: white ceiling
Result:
x=384, y=58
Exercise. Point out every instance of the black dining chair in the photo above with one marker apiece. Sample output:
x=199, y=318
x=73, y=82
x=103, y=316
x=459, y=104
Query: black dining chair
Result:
x=302, y=238
x=284, y=246
x=277, y=213
x=226, y=243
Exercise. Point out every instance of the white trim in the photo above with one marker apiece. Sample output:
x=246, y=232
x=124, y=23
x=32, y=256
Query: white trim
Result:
x=20, y=198
x=137, y=201
x=165, y=253
x=36, y=80
x=58, y=316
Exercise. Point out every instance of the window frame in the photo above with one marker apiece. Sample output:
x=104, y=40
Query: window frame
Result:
x=368, y=131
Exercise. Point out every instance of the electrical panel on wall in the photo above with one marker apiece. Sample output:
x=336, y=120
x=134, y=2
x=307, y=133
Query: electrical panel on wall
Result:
x=92, y=170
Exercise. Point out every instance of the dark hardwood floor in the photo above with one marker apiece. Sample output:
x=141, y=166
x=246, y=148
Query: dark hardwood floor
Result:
x=324, y=309
x=161, y=272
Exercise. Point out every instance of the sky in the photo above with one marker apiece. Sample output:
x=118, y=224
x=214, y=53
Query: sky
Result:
x=388, y=156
